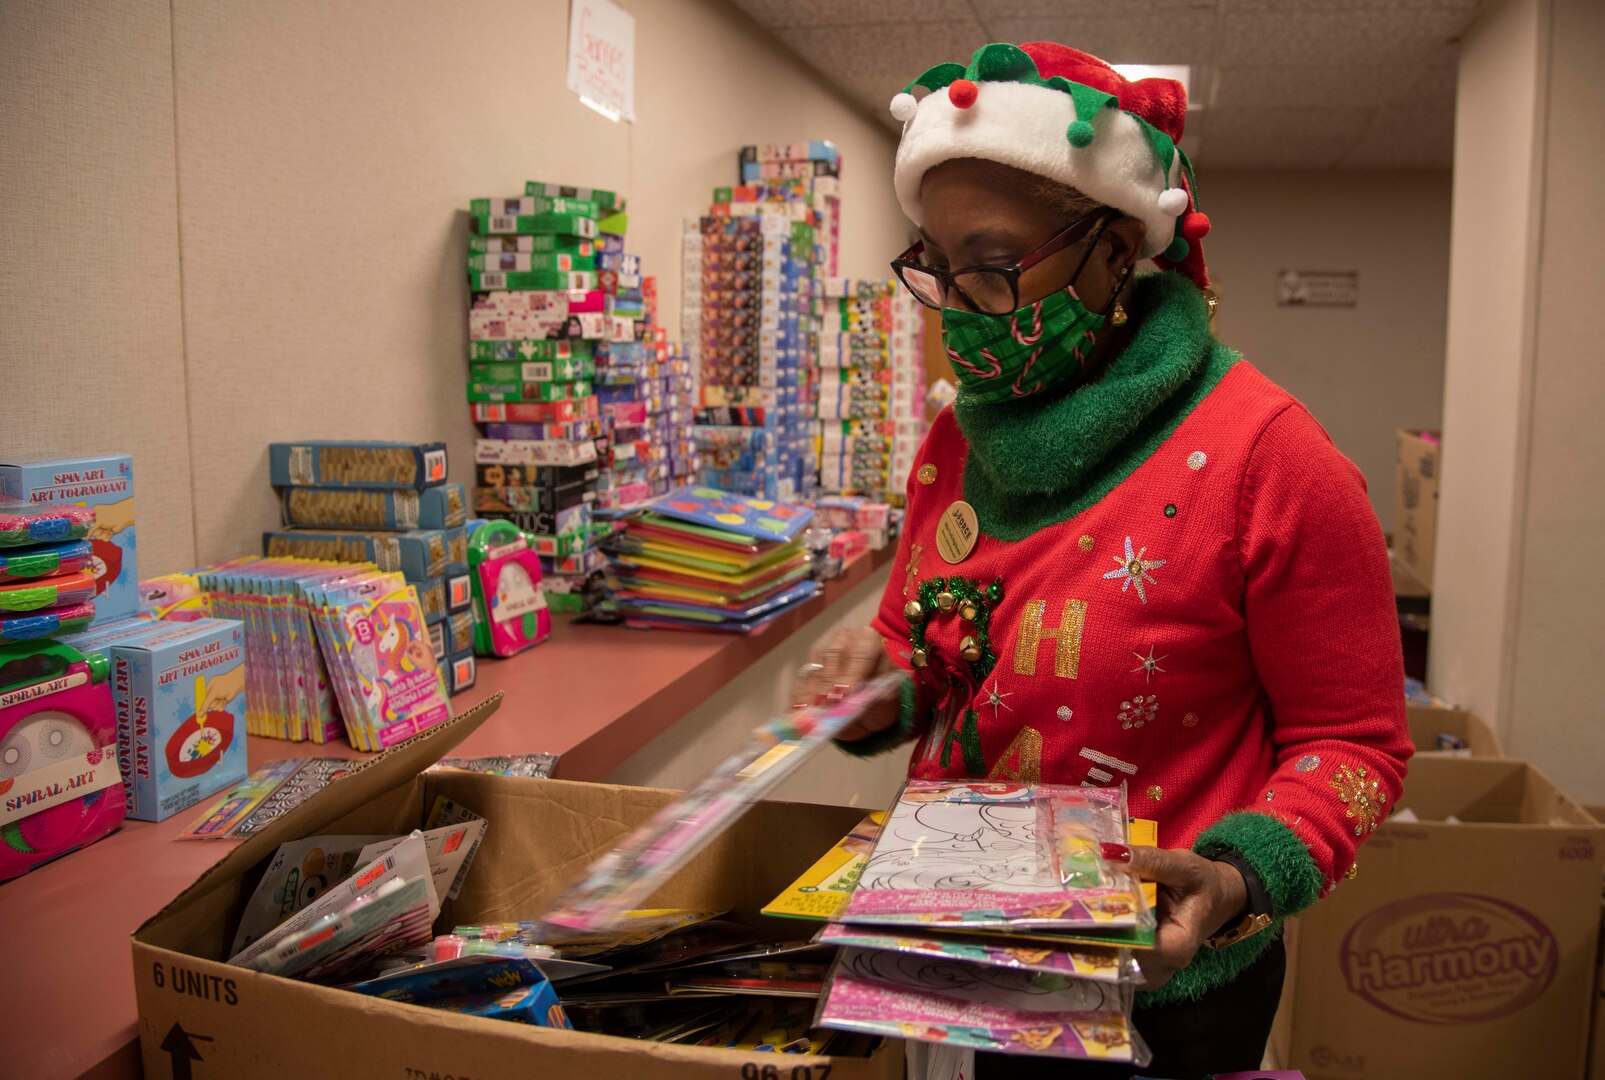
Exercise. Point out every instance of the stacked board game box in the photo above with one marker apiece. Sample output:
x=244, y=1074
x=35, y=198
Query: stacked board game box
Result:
x=869, y=399
x=751, y=316
x=386, y=503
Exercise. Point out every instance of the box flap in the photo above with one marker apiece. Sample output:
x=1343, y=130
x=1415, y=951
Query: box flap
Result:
x=366, y=781
x=1488, y=791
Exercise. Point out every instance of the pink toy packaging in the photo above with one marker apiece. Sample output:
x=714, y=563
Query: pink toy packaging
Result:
x=510, y=612
x=60, y=786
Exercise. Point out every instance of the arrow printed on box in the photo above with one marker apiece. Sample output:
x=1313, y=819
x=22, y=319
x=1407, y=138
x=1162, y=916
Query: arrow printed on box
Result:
x=179, y=1046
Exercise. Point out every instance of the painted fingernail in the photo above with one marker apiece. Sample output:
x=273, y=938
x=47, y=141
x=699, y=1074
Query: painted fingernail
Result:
x=1115, y=852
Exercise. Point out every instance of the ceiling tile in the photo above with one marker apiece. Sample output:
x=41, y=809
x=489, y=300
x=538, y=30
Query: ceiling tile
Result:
x=778, y=14
x=1180, y=36
x=1389, y=36
x=1281, y=138
x=1309, y=86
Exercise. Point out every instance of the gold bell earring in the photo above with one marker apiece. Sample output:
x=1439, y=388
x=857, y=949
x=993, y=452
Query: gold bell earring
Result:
x=1117, y=317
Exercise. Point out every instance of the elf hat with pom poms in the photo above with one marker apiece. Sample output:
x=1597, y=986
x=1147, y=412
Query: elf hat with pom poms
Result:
x=1059, y=113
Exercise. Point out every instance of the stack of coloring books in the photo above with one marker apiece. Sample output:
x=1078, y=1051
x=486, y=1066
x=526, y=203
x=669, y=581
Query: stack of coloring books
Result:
x=987, y=915
x=704, y=559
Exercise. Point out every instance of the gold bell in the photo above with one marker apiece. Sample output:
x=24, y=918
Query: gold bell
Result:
x=970, y=649
x=968, y=611
x=913, y=612
x=945, y=601
x=920, y=658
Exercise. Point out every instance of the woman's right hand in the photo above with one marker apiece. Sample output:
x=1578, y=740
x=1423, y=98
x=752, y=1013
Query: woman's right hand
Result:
x=839, y=663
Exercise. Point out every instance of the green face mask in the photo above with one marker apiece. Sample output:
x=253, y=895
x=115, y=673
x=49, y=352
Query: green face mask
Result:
x=1007, y=357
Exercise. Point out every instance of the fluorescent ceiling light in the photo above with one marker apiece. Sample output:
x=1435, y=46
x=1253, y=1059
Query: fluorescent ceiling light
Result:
x=612, y=114
x=1179, y=72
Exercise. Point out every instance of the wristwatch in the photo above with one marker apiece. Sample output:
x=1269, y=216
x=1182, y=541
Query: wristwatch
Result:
x=1261, y=912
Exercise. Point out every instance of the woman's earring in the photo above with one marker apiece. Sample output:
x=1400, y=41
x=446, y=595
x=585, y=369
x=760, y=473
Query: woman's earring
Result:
x=1118, y=316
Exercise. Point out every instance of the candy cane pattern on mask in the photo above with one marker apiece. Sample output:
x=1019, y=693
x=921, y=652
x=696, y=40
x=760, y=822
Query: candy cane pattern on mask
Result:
x=1036, y=326
x=1029, y=364
x=997, y=368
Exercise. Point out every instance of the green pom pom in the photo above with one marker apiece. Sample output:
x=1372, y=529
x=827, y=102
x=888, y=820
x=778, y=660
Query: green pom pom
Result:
x=1178, y=250
x=1079, y=134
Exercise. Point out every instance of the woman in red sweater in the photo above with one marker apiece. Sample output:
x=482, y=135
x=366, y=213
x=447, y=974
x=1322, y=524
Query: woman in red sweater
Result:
x=1128, y=557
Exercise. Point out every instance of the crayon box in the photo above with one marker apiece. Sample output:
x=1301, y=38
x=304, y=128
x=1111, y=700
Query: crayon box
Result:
x=106, y=484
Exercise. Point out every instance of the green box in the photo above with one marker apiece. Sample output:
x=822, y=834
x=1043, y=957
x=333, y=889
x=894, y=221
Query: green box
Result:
x=532, y=371
x=502, y=393
x=523, y=262
x=575, y=225
x=522, y=349
x=528, y=244
x=489, y=280
x=529, y=205
x=723, y=194
x=604, y=199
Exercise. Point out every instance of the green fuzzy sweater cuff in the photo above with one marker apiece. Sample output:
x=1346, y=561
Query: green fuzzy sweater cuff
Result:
x=1290, y=876
x=896, y=735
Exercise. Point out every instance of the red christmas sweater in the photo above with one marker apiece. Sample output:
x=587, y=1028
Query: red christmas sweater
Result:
x=1218, y=632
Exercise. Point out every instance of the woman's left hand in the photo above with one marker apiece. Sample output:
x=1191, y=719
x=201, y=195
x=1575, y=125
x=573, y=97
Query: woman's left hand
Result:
x=1197, y=896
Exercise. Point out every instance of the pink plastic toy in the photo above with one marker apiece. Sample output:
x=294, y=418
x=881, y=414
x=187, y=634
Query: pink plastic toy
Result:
x=60, y=783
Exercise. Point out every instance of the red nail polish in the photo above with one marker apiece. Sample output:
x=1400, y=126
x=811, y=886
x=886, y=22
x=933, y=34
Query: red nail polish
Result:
x=1119, y=853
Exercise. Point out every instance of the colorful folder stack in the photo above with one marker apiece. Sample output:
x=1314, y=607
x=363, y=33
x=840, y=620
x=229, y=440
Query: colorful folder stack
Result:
x=703, y=559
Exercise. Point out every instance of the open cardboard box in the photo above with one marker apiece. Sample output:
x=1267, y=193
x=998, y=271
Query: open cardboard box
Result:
x=1426, y=721
x=543, y=834
x=1458, y=949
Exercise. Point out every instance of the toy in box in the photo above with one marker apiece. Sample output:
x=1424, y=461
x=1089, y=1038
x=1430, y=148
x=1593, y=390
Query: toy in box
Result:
x=179, y=693
x=45, y=560
x=510, y=611
x=104, y=485
x=174, y=598
x=60, y=786
x=372, y=465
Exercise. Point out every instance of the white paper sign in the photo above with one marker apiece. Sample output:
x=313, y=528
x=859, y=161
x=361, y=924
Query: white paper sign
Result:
x=601, y=55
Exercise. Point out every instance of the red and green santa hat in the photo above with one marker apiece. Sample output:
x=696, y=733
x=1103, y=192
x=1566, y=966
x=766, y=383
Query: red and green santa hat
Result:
x=1059, y=113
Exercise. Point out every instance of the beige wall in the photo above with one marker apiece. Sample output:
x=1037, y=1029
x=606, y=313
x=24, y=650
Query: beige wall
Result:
x=1489, y=357
x=1364, y=371
x=1518, y=616
x=91, y=331
x=270, y=197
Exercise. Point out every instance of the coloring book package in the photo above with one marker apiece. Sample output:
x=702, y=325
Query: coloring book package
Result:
x=1000, y=856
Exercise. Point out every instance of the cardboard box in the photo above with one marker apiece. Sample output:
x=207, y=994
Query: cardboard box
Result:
x=107, y=484
x=1415, y=502
x=227, y=1021
x=1426, y=722
x=1458, y=949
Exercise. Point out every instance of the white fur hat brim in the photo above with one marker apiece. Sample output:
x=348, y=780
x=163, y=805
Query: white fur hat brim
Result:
x=1024, y=126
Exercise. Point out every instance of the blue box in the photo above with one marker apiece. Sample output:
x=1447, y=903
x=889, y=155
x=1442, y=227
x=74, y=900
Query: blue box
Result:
x=361, y=464
x=419, y=555
x=179, y=693
x=107, y=484
x=442, y=507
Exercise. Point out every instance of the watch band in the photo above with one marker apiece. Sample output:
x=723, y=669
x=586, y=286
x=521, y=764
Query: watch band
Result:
x=1261, y=912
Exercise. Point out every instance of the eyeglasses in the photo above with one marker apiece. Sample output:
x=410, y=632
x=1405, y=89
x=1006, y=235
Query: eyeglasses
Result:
x=990, y=290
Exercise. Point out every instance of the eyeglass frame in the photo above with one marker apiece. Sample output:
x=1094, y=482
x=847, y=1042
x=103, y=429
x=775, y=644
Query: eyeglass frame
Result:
x=1011, y=272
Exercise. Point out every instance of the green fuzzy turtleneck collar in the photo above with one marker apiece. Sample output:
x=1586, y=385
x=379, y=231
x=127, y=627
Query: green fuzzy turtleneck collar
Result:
x=1036, y=463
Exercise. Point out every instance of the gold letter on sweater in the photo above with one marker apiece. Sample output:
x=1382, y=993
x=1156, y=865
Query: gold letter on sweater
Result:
x=1067, y=638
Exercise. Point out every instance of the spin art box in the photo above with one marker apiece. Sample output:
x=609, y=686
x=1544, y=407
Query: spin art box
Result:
x=179, y=693
x=106, y=484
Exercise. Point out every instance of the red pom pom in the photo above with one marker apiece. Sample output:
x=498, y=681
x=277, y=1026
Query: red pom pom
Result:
x=1195, y=226
x=962, y=93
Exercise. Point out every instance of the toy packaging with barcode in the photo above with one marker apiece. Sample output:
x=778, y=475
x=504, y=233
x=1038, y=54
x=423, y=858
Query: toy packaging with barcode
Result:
x=60, y=786
x=104, y=485
x=179, y=693
x=368, y=465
